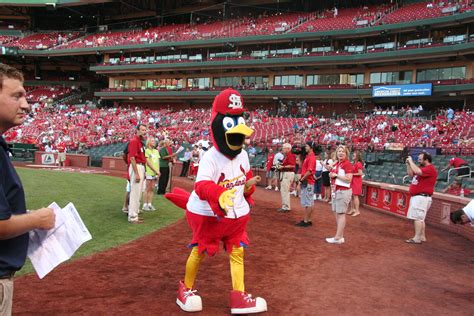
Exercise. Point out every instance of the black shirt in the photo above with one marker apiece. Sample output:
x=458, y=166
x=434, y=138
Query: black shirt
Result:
x=12, y=202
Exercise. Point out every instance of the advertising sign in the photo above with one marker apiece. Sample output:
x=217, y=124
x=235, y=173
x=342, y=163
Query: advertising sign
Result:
x=47, y=159
x=404, y=90
x=392, y=201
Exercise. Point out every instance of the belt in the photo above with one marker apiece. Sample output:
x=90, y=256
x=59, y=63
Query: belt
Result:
x=423, y=194
x=8, y=275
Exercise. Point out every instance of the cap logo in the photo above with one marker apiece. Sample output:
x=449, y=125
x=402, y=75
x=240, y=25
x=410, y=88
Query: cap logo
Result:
x=235, y=101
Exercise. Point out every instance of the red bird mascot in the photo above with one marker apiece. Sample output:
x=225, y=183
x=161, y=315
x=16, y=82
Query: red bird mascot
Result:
x=218, y=208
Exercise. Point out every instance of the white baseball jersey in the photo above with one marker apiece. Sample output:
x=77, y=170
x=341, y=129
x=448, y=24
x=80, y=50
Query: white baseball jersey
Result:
x=228, y=173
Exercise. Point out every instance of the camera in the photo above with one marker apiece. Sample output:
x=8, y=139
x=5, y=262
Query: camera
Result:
x=298, y=150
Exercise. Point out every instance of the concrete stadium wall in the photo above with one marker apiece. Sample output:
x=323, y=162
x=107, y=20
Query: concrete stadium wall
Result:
x=114, y=163
x=73, y=160
x=438, y=214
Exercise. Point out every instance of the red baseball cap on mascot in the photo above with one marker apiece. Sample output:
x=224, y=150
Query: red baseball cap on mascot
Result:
x=228, y=102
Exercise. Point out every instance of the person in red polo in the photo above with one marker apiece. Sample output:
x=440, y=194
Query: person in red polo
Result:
x=61, y=148
x=307, y=180
x=287, y=170
x=136, y=172
x=456, y=162
x=341, y=175
x=421, y=188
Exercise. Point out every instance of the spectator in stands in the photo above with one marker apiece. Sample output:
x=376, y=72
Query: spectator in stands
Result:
x=457, y=162
x=456, y=188
x=48, y=148
x=421, y=189
x=136, y=171
x=307, y=184
x=356, y=183
x=450, y=114
x=270, y=170
x=341, y=178
x=287, y=171
x=464, y=215
x=186, y=162
x=152, y=173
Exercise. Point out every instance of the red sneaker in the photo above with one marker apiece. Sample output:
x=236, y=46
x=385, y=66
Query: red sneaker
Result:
x=243, y=303
x=187, y=299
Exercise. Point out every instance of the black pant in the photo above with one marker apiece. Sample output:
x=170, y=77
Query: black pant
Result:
x=464, y=170
x=163, y=180
x=184, y=170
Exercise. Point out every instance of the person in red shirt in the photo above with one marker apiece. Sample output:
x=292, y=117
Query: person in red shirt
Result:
x=341, y=178
x=421, y=188
x=61, y=148
x=287, y=175
x=356, y=183
x=306, y=181
x=136, y=172
x=270, y=171
x=456, y=188
x=456, y=162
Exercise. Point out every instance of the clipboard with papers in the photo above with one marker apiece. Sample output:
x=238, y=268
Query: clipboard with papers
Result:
x=49, y=248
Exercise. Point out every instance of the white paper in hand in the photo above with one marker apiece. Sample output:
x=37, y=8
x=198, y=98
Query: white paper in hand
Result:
x=47, y=249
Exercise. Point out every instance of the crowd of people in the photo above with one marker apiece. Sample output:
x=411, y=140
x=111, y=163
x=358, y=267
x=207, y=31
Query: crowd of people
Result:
x=147, y=164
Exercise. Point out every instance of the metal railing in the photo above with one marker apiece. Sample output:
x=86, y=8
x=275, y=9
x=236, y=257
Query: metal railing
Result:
x=451, y=170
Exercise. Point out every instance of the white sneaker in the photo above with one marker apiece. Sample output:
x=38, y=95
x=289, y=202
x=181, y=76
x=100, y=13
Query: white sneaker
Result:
x=276, y=189
x=268, y=188
x=315, y=197
x=293, y=193
x=145, y=207
x=319, y=197
x=151, y=208
x=333, y=240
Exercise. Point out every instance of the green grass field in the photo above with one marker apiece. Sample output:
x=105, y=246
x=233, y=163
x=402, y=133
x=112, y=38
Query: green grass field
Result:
x=99, y=200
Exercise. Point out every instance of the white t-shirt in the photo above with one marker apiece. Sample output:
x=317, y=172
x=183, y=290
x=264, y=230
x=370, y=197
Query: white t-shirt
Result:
x=231, y=173
x=469, y=210
x=319, y=165
x=279, y=157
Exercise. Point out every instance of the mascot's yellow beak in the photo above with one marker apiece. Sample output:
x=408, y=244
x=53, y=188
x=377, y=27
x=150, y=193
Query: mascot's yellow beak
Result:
x=241, y=130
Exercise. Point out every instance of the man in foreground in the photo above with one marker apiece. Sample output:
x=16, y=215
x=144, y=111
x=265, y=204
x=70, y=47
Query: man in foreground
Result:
x=15, y=222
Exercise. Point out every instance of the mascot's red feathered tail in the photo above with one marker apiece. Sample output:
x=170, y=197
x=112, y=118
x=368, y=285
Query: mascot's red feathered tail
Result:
x=218, y=209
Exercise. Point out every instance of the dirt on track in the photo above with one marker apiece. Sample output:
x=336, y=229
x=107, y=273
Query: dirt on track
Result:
x=293, y=268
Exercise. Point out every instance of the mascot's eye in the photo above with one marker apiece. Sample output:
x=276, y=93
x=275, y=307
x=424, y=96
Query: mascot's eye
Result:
x=228, y=123
x=240, y=120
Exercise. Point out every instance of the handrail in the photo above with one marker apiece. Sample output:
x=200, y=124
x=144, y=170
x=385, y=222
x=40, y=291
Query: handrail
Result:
x=451, y=170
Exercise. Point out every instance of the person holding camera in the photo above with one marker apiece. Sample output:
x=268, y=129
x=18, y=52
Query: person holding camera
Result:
x=287, y=175
x=421, y=188
x=307, y=181
x=277, y=160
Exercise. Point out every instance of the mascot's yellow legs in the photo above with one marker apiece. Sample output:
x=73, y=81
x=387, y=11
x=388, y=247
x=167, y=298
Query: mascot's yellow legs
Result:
x=236, y=258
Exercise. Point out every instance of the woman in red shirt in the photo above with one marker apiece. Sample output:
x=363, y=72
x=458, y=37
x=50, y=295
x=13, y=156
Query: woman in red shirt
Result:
x=356, y=183
x=341, y=178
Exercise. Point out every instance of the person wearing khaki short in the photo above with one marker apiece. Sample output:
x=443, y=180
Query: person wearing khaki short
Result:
x=341, y=175
x=421, y=188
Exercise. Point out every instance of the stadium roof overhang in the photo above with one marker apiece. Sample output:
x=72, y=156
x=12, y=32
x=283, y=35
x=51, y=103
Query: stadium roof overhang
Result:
x=430, y=54
x=440, y=92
